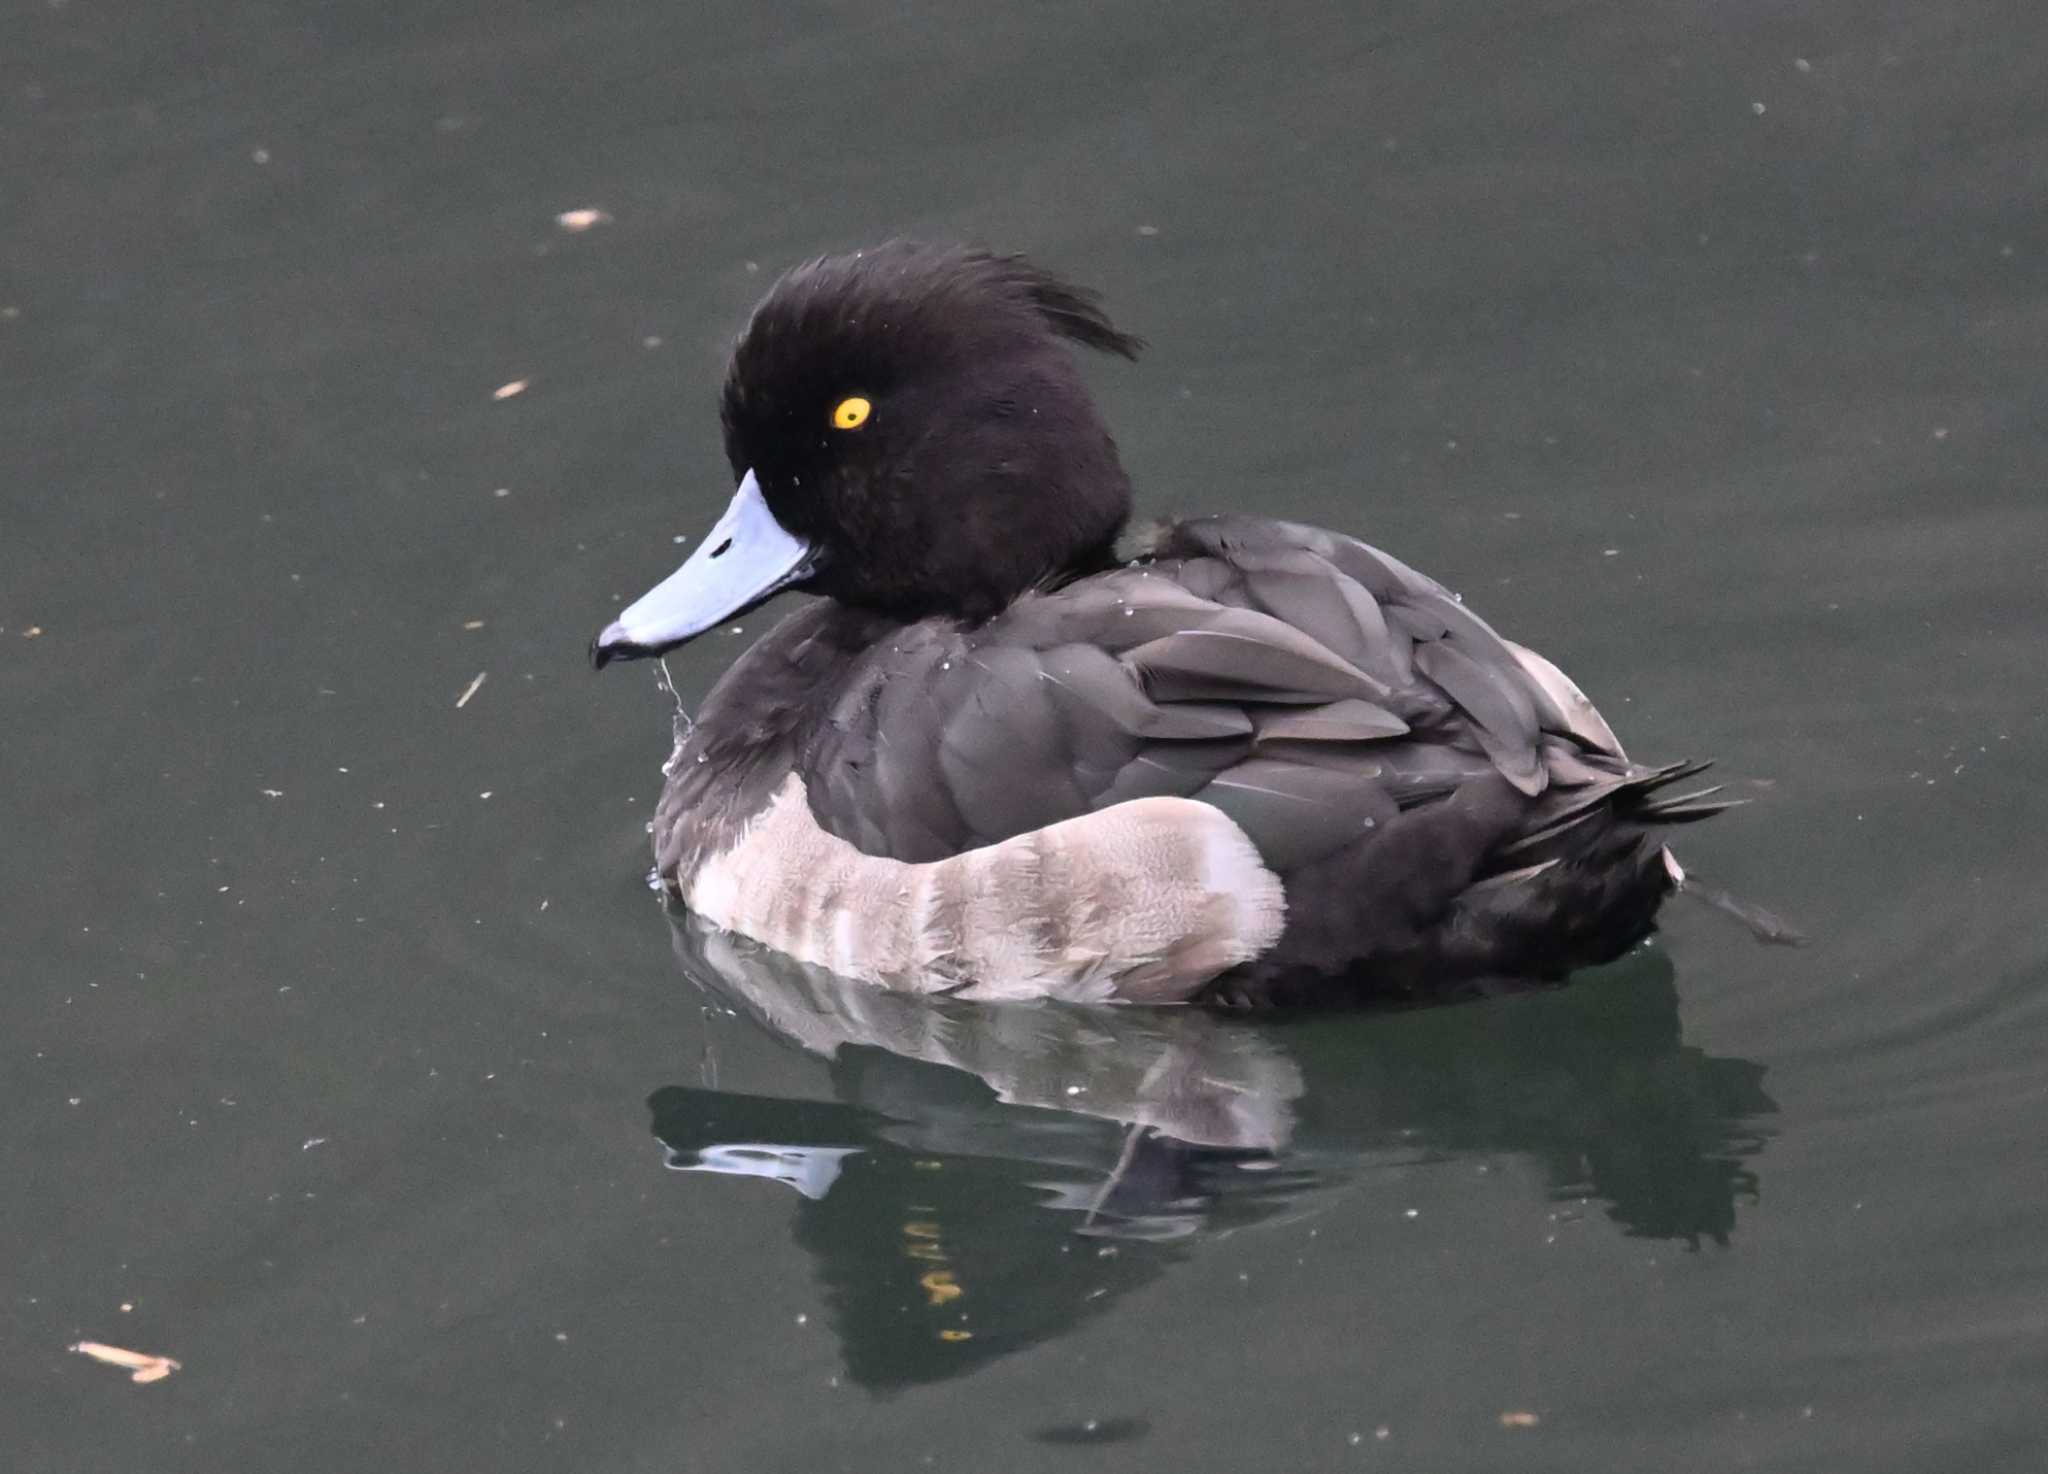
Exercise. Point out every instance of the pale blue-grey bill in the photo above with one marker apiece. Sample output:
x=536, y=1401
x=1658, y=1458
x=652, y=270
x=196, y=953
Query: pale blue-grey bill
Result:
x=744, y=559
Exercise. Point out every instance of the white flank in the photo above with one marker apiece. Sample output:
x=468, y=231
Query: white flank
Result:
x=1142, y=902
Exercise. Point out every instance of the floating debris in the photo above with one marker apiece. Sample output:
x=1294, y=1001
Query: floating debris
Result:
x=463, y=700
x=1094, y=1430
x=578, y=221
x=506, y=391
x=1518, y=1419
x=140, y=1365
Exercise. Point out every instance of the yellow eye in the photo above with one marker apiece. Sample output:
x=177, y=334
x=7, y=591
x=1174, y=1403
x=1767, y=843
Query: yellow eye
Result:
x=850, y=413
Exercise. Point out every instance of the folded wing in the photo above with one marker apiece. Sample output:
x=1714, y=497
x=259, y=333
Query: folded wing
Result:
x=1309, y=685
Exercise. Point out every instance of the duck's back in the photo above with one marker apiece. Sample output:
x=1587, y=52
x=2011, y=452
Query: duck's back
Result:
x=1437, y=804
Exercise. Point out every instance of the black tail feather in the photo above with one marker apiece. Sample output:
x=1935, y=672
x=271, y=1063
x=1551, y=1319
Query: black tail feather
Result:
x=1536, y=838
x=1636, y=800
x=1649, y=780
x=1677, y=813
x=1678, y=799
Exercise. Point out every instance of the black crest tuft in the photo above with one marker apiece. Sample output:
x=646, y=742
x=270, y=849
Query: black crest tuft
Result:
x=1072, y=312
x=926, y=301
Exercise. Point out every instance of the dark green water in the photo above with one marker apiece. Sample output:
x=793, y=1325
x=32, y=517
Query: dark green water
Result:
x=345, y=1058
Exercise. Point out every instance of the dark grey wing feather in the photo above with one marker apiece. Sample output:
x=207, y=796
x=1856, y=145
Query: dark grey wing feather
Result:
x=877, y=786
x=1241, y=655
x=1095, y=688
x=1301, y=588
x=1503, y=717
x=1174, y=771
x=1310, y=686
x=991, y=706
x=1424, y=626
x=1298, y=812
x=1346, y=720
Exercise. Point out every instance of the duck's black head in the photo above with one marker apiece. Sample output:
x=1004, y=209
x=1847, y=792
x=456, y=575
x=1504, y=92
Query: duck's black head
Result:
x=910, y=434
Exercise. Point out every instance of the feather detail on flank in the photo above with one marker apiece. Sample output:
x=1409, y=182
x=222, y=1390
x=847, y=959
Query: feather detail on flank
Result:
x=1142, y=902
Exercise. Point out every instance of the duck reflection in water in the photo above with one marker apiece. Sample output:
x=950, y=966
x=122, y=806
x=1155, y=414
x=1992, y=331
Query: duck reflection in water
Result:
x=992, y=1174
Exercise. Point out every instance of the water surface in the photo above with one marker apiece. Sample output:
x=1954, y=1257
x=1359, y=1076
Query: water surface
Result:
x=345, y=1058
